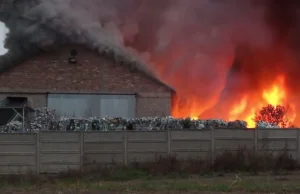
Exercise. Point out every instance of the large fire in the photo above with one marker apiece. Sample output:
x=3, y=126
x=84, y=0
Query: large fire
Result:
x=240, y=99
x=275, y=94
x=231, y=69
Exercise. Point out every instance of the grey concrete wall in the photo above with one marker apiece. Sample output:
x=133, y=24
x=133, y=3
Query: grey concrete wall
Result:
x=104, y=147
x=143, y=146
x=191, y=144
x=53, y=152
x=18, y=153
x=58, y=151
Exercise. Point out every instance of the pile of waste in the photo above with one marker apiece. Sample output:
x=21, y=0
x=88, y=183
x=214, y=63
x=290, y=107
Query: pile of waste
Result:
x=263, y=124
x=45, y=119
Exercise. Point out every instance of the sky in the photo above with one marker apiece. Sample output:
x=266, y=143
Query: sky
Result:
x=3, y=32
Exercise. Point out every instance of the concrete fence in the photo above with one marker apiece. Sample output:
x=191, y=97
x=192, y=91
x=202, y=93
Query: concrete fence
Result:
x=52, y=152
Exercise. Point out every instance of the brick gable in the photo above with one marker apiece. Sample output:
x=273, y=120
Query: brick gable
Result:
x=51, y=71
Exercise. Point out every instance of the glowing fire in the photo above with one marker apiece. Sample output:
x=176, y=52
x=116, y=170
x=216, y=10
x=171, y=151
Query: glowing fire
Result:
x=231, y=75
x=246, y=107
x=275, y=95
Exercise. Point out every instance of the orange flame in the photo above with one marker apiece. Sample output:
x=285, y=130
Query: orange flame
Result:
x=244, y=108
x=237, y=88
x=274, y=95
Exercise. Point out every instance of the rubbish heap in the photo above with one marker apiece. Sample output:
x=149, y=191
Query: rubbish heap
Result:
x=263, y=124
x=45, y=119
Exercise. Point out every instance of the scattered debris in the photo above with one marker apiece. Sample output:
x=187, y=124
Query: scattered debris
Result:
x=263, y=124
x=45, y=119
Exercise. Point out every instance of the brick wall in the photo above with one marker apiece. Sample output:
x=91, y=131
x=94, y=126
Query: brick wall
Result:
x=153, y=104
x=51, y=72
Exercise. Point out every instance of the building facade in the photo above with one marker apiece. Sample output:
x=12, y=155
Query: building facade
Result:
x=79, y=82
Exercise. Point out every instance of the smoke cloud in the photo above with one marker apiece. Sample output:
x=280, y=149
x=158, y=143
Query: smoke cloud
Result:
x=3, y=32
x=190, y=44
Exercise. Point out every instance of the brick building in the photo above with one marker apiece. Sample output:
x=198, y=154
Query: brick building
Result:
x=87, y=85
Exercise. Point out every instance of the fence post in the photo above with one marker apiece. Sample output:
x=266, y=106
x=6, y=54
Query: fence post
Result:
x=212, y=146
x=81, y=142
x=255, y=140
x=298, y=146
x=125, y=148
x=169, y=140
x=38, y=153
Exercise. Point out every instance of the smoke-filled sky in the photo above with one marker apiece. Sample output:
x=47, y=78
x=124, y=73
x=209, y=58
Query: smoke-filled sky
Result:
x=190, y=44
x=173, y=34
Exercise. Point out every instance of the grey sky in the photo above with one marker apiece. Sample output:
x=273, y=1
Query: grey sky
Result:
x=3, y=32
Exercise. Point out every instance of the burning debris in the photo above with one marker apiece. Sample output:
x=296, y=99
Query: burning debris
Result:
x=275, y=115
x=45, y=120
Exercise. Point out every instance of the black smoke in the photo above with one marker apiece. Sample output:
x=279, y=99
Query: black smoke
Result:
x=38, y=25
x=284, y=18
x=147, y=26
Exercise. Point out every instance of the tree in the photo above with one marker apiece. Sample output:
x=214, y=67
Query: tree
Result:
x=276, y=115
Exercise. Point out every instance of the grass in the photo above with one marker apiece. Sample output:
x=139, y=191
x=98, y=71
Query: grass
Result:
x=224, y=184
x=188, y=185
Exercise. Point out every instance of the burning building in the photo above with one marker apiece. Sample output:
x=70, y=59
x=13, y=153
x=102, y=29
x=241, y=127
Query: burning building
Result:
x=225, y=59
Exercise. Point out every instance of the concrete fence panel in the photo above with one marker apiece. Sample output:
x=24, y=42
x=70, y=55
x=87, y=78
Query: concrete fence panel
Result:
x=53, y=152
x=191, y=144
x=18, y=153
x=144, y=146
x=103, y=148
x=276, y=141
x=233, y=140
x=59, y=151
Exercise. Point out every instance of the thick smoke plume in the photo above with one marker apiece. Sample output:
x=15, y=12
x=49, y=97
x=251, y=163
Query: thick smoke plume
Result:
x=37, y=25
x=209, y=50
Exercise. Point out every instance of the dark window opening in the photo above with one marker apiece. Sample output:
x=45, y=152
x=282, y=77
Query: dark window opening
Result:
x=73, y=52
x=72, y=58
x=16, y=101
x=132, y=68
x=13, y=108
